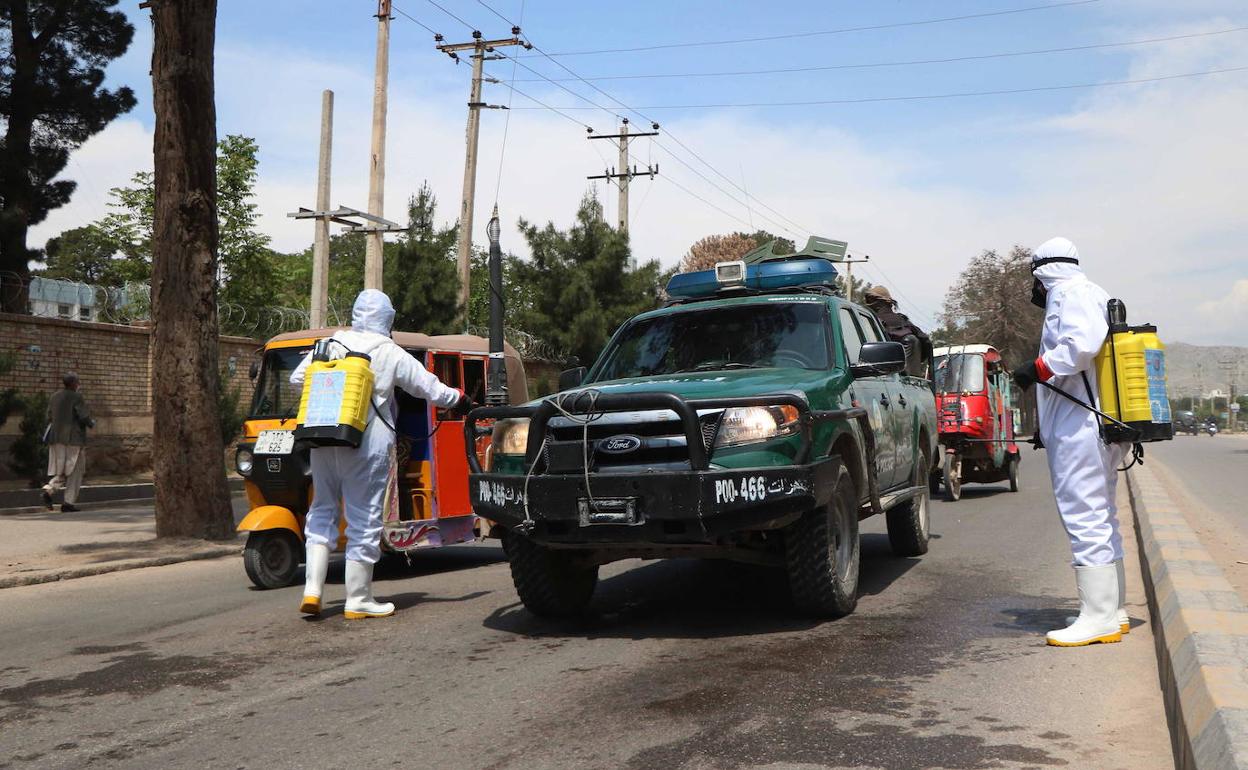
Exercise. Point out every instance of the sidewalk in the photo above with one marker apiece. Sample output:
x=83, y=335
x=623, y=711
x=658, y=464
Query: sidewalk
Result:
x=47, y=546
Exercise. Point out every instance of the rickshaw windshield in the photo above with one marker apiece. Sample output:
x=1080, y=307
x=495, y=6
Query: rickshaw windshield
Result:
x=275, y=396
x=748, y=336
x=959, y=373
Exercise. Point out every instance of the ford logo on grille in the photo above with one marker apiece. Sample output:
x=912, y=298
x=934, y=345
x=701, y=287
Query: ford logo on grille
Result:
x=618, y=445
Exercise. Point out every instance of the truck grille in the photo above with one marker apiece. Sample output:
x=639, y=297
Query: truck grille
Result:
x=624, y=441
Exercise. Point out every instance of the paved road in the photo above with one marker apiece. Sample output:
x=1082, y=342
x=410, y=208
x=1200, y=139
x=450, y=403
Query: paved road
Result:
x=684, y=665
x=1208, y=476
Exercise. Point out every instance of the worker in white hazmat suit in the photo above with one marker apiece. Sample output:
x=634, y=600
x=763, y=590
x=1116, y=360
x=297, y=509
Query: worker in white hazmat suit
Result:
x=1082, y=466
x=356, y=478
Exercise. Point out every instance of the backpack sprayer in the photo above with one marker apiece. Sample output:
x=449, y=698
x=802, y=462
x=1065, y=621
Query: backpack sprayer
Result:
x=1131, y=385
x=333, y=408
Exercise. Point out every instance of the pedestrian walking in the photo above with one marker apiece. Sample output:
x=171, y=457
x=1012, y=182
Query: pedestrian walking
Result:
x=1082, y=466
x=354, y=480
x=68, y=420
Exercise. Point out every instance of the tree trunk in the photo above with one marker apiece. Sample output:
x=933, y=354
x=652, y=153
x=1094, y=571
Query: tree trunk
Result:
x=15, y=166
x=192, y=497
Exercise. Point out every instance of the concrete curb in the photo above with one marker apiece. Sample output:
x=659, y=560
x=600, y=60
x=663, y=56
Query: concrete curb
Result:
x=1201, y=630
x=68, y=573
x=15, y=501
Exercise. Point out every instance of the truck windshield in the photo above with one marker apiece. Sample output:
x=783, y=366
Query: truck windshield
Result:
x=959, y=373
x=717, y=339
x=275, y=397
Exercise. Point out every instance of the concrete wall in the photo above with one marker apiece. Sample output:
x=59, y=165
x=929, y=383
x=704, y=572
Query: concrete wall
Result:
x=113, y=363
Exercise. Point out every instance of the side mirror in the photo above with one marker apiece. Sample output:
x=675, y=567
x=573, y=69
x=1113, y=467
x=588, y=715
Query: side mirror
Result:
x=879, y=358
x=254, y=370
x=571, y=378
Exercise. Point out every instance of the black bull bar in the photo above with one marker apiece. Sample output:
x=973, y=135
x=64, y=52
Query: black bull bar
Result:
x=582, y=403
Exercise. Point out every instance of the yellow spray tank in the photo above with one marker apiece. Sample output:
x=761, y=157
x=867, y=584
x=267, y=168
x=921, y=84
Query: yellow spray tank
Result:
x=1131, y=378
x=333, y=410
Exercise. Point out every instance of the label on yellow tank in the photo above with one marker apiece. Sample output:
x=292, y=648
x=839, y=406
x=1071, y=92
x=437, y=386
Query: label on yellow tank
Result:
x=325, y=398
x=1155, y=362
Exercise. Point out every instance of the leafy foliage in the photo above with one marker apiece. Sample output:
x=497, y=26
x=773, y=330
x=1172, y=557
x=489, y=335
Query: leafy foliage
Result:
x=420, y=271
x=28, y=452
x=83, y=254
x=52, y=100
x=580, y=284
x=229, y=408
x=713, y=249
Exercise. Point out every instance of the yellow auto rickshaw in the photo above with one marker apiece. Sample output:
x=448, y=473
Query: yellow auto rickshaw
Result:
x=429, y=505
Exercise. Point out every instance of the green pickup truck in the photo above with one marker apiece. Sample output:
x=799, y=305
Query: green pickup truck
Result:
x=757, y=417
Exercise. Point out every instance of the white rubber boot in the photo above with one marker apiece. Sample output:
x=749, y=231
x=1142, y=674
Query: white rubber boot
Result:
x=360, y=603
x=1124, y=620
x=316, y=564
x=1098, y=609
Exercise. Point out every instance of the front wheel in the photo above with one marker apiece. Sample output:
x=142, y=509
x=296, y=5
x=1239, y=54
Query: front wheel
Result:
x=909, y=523
x=953, y=477
x=1014, y=460
x=271, y=558
x=822, y=555
x=550, y=583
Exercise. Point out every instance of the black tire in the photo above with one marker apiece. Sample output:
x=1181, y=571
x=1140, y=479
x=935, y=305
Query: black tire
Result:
x=953, y=478
x=1014, y=460
x=822, y=555
x=272, y=558
x=909, y=523
x=550, y=583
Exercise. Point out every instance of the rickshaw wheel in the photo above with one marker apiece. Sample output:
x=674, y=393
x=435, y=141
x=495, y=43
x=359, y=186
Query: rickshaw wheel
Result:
x=1014, y=473
x=271, y=558
x=953, y=478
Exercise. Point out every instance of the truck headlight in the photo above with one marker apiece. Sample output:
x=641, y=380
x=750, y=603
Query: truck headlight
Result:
x=243, y=461
x=511, y=436
x=751, y=424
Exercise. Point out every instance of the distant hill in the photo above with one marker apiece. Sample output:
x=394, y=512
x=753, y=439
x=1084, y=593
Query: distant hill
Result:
x=1192, y=369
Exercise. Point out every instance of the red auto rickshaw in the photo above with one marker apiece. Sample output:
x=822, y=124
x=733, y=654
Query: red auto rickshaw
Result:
x=975, y=418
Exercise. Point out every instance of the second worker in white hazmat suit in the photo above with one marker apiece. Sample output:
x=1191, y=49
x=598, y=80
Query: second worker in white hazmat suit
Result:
x=1082, y=466
x=355, y=478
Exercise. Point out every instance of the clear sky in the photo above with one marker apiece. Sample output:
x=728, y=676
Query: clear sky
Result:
x=1147, y=178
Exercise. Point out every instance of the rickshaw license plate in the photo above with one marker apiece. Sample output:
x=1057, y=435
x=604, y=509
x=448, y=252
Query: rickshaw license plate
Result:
x=275, y=442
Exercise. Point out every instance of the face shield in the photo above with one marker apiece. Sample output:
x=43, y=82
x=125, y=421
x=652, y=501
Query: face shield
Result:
x=1054, y=260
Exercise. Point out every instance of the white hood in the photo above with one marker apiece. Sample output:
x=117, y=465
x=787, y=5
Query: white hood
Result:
x=1052, y=274
x=372, y=312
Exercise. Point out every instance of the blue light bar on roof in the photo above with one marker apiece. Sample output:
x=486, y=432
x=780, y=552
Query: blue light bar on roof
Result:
x=763, y=276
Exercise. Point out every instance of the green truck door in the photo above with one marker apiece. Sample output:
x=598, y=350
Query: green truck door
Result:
x=900, y=413
x=871, y=393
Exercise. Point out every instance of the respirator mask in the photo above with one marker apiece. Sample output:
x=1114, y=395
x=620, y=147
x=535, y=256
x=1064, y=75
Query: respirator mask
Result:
x=1039, y=294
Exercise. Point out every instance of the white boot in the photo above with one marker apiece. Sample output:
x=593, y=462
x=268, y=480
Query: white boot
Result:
x=1098, y=609
x=360, y=604
x=316, y=564
x=1124, y=620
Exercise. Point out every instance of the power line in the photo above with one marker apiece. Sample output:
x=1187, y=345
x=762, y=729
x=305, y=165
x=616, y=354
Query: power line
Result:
x=903, y=62
x=816, y=33
x=442, y=8
x=923, y=97
x=417, y=21
x=511, y=92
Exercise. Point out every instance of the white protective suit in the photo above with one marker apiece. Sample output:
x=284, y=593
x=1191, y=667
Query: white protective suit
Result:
x=1083, y=468
x=358, y=477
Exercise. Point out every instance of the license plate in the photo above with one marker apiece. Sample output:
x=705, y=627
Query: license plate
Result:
x=609, y=510
x=275, y=442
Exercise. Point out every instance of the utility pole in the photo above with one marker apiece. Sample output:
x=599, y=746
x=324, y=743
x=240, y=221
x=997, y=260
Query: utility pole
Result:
x=480, y=48
x=320, y=243
x=849, y=275
x=374, y=245
x=625, y=175
x=1231, y=367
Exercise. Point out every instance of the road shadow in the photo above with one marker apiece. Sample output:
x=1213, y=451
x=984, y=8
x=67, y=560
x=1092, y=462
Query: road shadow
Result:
x=697, y=599
x=401, y=602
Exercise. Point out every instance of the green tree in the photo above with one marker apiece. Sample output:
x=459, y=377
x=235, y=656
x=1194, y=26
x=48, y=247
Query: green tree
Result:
x=420, y=271
x=28, y=453
x=580, y=282
x=86, y=254
x=51, y=100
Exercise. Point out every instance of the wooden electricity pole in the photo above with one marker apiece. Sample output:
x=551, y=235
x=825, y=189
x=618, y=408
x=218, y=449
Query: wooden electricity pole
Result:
x=374, y=245
x=479, y=48
x=320, y=243
x=625, y=175
x=192, y=498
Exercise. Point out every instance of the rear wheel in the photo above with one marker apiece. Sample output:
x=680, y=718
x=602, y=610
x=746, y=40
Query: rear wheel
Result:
x=822, y=555
x=271, y=558
x=953, y=477
x=909, y=523
x=550, y=583
x=1014, y=459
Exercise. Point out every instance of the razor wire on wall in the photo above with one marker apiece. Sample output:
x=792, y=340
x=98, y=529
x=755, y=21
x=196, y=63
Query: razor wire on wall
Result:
x=131, y=304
